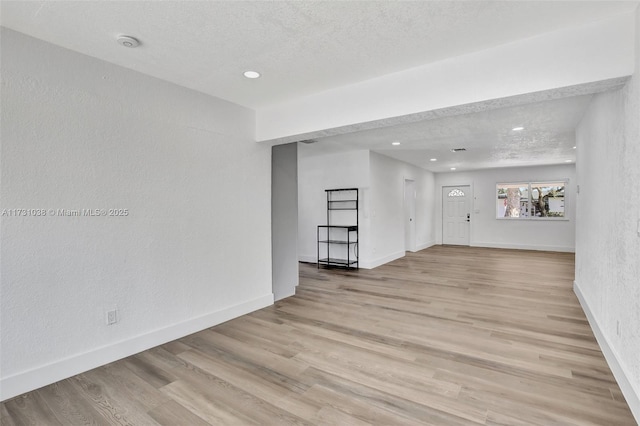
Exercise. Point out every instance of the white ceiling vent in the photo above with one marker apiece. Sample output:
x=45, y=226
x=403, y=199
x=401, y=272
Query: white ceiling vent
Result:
x=458, y=149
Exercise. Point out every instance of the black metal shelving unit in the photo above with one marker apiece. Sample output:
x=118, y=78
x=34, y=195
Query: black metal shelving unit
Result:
x=340, y=242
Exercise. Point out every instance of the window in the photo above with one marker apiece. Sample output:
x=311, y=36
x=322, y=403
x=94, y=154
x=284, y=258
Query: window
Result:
x=456, y=193
x=530, y=200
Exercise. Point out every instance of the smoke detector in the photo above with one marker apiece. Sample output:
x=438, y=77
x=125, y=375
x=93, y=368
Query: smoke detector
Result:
x=128, y=41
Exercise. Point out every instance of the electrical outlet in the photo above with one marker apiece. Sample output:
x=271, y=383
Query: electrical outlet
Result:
x=112, y=316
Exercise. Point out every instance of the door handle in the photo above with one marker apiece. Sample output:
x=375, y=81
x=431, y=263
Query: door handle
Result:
x=468, y=217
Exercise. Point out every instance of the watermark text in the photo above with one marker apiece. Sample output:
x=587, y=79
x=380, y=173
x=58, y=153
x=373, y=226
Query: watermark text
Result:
x=64, y=212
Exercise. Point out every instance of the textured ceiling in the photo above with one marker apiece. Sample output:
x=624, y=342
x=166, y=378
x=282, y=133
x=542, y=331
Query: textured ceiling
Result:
x=300, y=47
x=305, y=47
x=548, y=137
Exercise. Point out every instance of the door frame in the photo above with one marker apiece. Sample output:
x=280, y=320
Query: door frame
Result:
x=440, y=210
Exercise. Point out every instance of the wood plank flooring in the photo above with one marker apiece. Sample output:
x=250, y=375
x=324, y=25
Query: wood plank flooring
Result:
x=446, y=336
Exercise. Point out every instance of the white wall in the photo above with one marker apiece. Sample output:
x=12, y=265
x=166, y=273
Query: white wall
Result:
x=487, y=231
x=387, y=238
x=381, y=183
x=608, y=233
x=593, y=52
x=317, y=172
x=194, y=250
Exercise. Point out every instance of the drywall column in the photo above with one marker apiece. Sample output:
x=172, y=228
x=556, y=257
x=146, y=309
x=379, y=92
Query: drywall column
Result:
x=284, y=219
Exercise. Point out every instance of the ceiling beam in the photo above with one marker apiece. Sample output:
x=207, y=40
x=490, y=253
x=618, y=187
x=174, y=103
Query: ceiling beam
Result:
x=555, y=62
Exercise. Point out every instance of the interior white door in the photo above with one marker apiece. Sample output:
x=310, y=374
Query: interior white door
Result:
x=409, y=215
x=456, y=215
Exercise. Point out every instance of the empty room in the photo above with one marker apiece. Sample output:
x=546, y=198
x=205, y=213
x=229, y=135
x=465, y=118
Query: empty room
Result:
x=320, y=212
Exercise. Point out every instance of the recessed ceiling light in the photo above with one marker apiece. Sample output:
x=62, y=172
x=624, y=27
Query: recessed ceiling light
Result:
x=395, y=143
x=251, y=74
x=517, y=129
x=567, y=161
x=574, y=147
x=128, y=41
x=433, y=159
x=453, y=168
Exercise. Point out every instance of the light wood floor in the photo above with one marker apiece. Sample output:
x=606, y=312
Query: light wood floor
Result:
x=446, y=336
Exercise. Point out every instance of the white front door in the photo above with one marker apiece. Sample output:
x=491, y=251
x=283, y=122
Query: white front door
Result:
x=456, y=215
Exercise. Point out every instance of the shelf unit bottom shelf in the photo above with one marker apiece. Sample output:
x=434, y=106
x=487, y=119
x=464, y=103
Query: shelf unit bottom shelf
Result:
x=337, y=262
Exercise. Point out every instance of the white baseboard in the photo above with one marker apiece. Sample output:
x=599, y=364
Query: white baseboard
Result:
x=277, y=297
x=425, y=245
x=524, y=247
x=618, y=369
x=307, y=259
x=29, y=380
x=373, y=263
x=382, y=260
